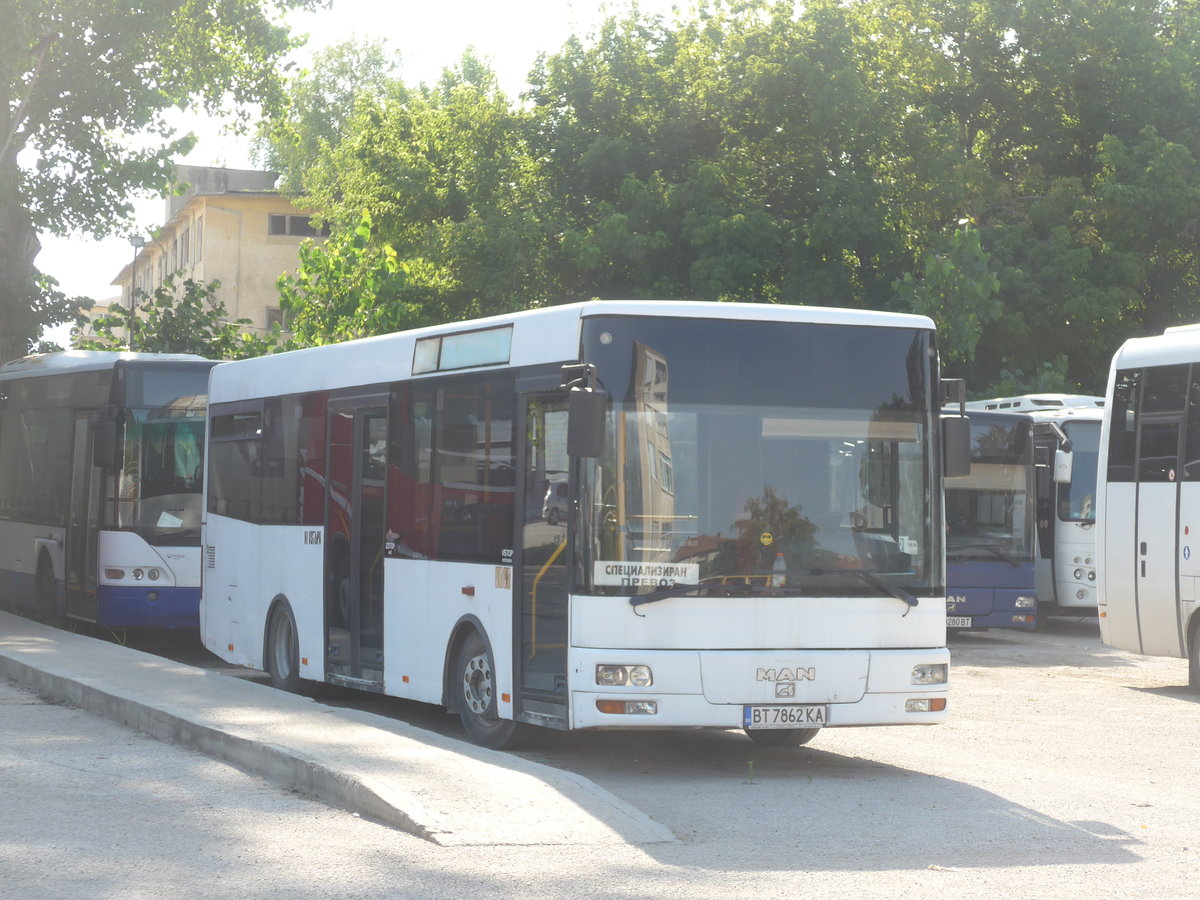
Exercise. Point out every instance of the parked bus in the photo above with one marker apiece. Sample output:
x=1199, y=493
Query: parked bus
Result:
x=1067, y=445
x=990, y=544
x=752, y=532
x=101, y=473
x=1149, y=489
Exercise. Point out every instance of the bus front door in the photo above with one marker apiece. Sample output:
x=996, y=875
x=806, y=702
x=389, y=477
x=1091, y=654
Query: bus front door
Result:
x=1157, y=575
x=83, y=524
x=354, y=539
x=540, y=585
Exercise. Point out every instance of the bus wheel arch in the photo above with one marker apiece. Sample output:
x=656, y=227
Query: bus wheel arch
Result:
x=470, y=686
x=281, y=646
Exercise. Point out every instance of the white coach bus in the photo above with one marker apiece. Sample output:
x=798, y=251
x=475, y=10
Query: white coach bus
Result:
x=750, y=535
x=1149, y=485
x=1067, y=446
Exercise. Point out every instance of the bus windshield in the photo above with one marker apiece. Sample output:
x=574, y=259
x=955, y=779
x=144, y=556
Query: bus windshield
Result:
x=756, y=457
x=161, y=478
x=1076, y=500
x=989, y=513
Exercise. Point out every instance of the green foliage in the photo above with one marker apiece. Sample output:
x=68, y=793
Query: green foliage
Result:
x=956, y=289
x=353, y=286
x=78, y=80
x=187, y=319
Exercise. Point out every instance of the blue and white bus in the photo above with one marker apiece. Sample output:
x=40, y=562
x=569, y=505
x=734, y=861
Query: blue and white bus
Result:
x=751, y=532
x=1067, y=445
x=990, y=535
x=101, y=473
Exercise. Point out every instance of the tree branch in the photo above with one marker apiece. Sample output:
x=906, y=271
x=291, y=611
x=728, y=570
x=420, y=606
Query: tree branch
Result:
x=17, y=118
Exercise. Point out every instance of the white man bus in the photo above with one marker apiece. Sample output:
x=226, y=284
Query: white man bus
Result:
x=752, y=535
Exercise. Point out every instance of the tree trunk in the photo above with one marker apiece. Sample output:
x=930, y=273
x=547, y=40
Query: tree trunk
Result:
x=19, y=247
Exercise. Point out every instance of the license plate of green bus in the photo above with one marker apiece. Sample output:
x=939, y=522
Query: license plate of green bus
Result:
x=805, y=716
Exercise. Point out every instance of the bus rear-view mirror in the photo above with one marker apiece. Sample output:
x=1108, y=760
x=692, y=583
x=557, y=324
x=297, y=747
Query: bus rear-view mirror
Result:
x=956, y=446
x=587, y=409
x=1063, y=464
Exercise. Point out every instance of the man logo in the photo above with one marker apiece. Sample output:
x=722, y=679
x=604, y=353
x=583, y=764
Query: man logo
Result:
x=796, y=674
x=785, y=690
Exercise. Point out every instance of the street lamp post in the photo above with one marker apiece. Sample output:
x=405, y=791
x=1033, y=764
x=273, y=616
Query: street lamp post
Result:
x=138, y=243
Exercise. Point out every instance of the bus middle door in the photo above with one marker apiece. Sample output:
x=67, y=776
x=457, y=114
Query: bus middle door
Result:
x=541, y=567
x=354, y=541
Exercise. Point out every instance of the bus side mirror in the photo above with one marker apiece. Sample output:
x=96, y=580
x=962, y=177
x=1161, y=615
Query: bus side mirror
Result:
x=956, y=446
x=106, y=451
x=1064, y=462
x=586, y=411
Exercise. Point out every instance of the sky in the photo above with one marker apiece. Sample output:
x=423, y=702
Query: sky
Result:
x=429, y=36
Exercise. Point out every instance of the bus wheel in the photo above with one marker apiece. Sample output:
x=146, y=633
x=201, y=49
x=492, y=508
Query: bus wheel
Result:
x=47, y=601
x=781, y=737
x=475, y=695
x=283, y=649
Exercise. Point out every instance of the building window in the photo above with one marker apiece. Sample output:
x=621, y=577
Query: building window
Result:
x=300, y=226
x=276, y=316
x=185, y=247
x=199, y=238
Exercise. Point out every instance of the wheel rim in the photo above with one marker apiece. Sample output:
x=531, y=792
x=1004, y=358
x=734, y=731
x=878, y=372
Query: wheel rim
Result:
x=477, y=684
x=284, y=636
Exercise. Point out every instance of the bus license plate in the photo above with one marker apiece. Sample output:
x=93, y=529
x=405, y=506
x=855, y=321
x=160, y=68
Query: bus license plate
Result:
x=783, y=716
x=958, y=621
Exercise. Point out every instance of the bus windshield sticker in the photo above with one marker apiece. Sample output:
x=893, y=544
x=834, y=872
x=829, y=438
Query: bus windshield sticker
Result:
x=613, y=573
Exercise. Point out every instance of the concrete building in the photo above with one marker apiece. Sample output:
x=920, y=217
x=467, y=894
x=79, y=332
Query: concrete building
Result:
x=231, y=226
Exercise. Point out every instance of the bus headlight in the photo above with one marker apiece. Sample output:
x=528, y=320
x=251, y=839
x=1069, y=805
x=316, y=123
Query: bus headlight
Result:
x=138, y=574
x=929, y=674
x=1091, y=576
x=114, y=574
x=1026, y=602
x=1079, y=574
x=153, y=574
x=618, y=676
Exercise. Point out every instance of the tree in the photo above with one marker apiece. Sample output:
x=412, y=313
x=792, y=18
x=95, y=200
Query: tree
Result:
x=79, y=79
x=188, y=318
x=319, y=102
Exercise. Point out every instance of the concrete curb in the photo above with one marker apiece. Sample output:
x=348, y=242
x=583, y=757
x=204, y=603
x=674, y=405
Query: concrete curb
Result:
x=445, y=791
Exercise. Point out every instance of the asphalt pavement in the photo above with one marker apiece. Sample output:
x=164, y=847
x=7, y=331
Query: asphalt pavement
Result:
x=446, y=791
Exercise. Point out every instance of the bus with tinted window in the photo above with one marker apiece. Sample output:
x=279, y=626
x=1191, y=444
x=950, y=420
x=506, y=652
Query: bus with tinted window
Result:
x=1149, y=489
x=596, y=515
x=101, y=474
x=1067, y=446
x=990, y=534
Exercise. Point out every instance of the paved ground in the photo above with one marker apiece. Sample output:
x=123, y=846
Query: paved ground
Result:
x=1066, y=770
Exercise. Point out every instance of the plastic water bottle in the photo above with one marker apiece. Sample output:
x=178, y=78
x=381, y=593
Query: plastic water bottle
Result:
x=779, y=571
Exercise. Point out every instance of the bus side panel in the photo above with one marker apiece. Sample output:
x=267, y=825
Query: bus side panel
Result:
x=423, y=601
x=1118, y=597
x=231, y=617
x=1189, y=553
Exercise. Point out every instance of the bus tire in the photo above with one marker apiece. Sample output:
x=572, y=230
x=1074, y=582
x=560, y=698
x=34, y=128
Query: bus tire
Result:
x=474, y=695
x=781, y=737
x=283, y=649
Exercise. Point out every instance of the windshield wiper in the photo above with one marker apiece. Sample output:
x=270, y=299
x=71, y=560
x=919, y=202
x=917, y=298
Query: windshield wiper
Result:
x=675, y=590
x=898, y=592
